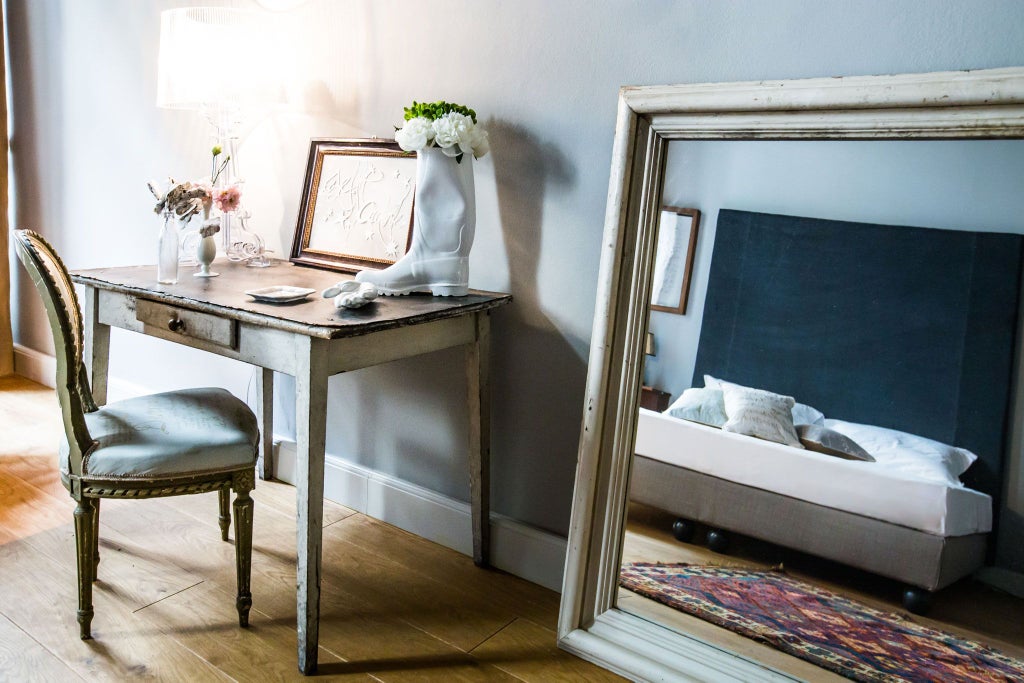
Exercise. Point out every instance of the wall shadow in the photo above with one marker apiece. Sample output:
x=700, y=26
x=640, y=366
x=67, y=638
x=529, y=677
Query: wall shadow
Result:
x=538, y=378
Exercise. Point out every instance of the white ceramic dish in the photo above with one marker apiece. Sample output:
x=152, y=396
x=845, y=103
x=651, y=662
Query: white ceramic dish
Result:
x=280, y=294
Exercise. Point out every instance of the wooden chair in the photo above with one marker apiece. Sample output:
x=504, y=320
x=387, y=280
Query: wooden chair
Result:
x=169, y=444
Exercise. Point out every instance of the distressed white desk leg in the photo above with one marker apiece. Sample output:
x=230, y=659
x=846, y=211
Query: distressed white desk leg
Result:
x=478, y=383
x=96, y=354
x=310, y=428
x=265, y=415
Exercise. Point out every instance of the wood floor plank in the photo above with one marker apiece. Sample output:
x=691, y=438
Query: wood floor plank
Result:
x=45, y=606
x=458, y=668
x=40, y=471
x=529, y=653
x=386, y=586
x=457, y=571
x=280, y=498
x=27, y=510
x=24, y=659
x=137, y=576
x=463, y=620
x=204, y=620
x=352, y=625
x=31, y=418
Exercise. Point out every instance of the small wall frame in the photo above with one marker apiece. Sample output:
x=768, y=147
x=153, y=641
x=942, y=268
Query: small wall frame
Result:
x=357, y=205
x=673, y=263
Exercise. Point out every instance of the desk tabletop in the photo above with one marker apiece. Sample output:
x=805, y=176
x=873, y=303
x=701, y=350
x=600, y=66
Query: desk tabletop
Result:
x=315, y=316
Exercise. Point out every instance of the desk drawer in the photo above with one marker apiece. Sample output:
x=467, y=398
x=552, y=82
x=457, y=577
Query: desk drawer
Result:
x=187, y=323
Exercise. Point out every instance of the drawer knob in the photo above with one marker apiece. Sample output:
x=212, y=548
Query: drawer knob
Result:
x=175, y=324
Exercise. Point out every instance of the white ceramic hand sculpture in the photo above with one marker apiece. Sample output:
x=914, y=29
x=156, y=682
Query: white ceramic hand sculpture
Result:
x=351, y=294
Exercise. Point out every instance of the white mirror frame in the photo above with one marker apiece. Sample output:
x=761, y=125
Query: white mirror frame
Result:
x=985, y=104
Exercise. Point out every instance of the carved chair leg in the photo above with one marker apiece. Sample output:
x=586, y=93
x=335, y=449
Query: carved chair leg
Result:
x=85, y=513
x=96, y=539
x=243, y=545
x=225, y=512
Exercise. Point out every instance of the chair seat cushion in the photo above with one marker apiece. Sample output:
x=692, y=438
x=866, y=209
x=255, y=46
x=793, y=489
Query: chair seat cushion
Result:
x=174, y=433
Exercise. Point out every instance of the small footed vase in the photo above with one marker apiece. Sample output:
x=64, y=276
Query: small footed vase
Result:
x=206, y=251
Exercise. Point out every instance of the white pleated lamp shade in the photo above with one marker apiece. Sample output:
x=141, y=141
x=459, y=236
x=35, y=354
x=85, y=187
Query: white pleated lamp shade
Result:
x=216, y=58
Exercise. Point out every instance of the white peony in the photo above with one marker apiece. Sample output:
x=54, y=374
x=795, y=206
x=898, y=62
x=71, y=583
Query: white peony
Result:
x=453, y=129
x=480, y=142
x=454, y=133
x=415, y=135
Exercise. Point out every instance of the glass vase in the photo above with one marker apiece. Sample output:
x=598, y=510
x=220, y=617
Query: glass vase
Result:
x=167, y=251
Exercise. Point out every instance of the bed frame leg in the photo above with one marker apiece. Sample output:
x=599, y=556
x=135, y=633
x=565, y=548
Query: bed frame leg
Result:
x=683, y=530
x=917, y=600
x=718, y=540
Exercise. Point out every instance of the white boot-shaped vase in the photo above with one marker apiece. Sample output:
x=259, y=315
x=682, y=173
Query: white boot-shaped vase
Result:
x=442, y=232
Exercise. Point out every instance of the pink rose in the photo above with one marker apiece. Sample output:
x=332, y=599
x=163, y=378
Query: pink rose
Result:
x=227, y=199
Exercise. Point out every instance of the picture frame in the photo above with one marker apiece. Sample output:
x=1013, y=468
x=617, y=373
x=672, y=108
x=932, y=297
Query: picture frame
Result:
x=673, y=265
x=356, y=207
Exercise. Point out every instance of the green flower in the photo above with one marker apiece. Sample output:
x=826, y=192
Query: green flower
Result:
x=436, y=110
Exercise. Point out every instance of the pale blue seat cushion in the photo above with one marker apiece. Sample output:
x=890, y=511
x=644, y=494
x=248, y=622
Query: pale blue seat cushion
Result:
x=174, y=433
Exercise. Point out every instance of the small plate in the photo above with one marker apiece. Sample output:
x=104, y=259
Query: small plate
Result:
x=280, y=294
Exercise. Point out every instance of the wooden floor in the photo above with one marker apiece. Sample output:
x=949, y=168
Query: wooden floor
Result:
x=969, y=608
x=394, y=607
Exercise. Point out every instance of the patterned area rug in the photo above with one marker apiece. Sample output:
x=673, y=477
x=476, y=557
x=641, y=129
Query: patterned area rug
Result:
x=819, y=626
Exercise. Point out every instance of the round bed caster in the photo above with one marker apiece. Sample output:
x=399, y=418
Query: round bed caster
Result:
x=683, y=530
x=718, y=540
x=917, y=600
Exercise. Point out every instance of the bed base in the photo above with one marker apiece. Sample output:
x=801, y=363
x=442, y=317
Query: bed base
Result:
x=920, y=559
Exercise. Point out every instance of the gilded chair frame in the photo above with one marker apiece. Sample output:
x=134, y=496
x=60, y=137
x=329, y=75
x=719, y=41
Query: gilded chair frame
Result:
x=51, y=279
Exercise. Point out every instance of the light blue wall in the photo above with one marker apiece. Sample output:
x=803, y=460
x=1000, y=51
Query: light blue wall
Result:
x=543, y=75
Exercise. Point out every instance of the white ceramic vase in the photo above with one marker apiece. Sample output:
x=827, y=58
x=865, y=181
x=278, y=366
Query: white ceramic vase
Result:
x=444, y=224
x=206, y=251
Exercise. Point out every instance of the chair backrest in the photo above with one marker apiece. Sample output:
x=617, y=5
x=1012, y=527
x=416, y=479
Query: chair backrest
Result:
x=58, y=293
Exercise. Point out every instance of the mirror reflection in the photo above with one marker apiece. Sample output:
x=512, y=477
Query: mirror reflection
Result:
x=825, y=472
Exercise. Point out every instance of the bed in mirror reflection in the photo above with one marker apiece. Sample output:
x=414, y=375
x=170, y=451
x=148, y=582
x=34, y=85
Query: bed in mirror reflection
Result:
x=843, y=412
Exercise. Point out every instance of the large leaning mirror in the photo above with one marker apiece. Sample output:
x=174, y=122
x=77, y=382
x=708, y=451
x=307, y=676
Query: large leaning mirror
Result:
x=835, y=419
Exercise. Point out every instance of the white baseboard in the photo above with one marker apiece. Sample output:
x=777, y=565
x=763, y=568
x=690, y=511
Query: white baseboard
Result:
x=1004, y=579
x=31, y=364
x=42, y=369
x=520, y=549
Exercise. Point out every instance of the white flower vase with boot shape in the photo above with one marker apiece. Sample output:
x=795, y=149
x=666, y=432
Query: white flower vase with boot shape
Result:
x=444, y=224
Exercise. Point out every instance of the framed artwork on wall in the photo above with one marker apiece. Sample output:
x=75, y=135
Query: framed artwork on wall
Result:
x=356, y=206
x=673, y=264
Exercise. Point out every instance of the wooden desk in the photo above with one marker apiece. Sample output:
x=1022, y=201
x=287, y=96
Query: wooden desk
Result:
x=311, y=341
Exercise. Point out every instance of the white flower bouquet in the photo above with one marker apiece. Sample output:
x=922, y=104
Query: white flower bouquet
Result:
x=451, y=127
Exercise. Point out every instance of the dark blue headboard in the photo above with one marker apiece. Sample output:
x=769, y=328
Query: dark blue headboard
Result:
x=908, y=328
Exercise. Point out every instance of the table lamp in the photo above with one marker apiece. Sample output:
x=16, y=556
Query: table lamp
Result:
x=220, y=61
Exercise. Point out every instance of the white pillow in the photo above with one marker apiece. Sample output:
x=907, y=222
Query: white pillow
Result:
x=913, y=456
x=803, y=414
x=760, y=413
x=706, y=406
